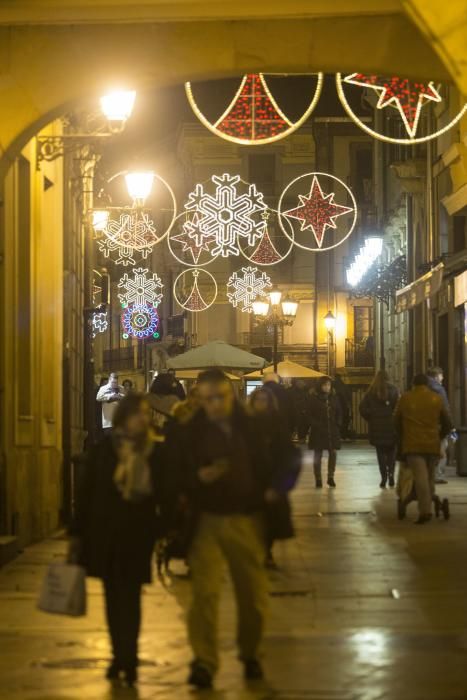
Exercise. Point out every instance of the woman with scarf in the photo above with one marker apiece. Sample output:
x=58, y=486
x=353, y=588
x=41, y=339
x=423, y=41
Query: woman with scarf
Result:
x=116, y=524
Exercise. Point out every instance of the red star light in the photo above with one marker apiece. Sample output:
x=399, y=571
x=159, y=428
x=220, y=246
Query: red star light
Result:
x=318, y=211
x=407, y=96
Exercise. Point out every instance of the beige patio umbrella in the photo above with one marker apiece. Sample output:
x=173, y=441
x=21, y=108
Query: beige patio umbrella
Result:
x=287, y=370
x=189, y=374
x=216, y=354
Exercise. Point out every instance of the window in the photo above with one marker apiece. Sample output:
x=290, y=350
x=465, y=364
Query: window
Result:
x=262, y=172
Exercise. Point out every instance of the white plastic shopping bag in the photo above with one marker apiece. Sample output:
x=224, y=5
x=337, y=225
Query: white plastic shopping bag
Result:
x=63, y=590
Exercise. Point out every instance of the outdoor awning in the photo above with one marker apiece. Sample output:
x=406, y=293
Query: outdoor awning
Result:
x=422, y=288
x=216, y=354
x=288, y=370
x=188, y=374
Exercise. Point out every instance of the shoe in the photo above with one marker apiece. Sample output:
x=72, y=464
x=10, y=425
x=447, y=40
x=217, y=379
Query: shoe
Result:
x=422, y=519
x=113, y=671
x=319, y=484
x=253, y=670
x=331, y=483
x=441, y=481
x=392, y=483
x=382, y=484
x=131, y=676
x=200, y=676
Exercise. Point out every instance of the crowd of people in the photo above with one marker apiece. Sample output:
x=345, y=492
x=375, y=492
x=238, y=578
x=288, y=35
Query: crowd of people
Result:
x=209, y=476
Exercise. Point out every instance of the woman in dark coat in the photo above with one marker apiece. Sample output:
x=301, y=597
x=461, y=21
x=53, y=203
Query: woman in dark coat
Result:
x=116, y=523
x=377, y=408
x=325, y=425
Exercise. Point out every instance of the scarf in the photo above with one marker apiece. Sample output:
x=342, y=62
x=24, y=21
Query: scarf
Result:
x=132, y=476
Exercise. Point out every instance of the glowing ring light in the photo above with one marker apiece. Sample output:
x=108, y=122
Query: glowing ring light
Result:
x=277, y=258
x=293, y=126
x=140, y=321
x=194, y=249
x=195, y=301
x=389, y=139
x=325, y=197
x=174, y=204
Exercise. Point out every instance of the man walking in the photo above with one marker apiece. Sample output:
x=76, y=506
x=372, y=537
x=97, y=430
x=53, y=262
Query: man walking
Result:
x=109, y=395
x=225, y=475
x=435, y=382
x=422, y=421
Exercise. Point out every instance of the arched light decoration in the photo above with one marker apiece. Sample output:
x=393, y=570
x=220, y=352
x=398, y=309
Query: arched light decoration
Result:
x=322, y=206
x=117, y=107
x=139, y=186
x=253, y=117
x=100, y=219
x=187, y=292
x=365, y=258
x=409, y=98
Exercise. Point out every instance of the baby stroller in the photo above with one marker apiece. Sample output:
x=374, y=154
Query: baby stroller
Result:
x=406, y=494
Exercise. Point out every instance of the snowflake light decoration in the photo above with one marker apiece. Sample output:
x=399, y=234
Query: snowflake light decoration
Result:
x=318, y=211
x=409, y=97
x=133, y=229
x=140, y=289
x=140, y=321
x=253, y=117
x=245, y=286
x=226, y=215
x=99, y=322
x=188, y=294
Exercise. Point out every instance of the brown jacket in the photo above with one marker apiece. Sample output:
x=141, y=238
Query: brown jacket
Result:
x=421, y=422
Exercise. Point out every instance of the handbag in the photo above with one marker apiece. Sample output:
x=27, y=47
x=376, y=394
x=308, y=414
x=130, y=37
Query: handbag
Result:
x=279, y=524
x=63, y=590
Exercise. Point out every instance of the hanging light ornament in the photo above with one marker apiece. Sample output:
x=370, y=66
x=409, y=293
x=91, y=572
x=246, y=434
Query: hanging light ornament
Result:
x=187, y=292
x=140, y=289
x=140, y=321
x=247, y=285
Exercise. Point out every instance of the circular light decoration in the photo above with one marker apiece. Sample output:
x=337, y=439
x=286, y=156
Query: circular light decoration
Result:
x=140, y=289
x=187, y=292
x=273, y=247
x=245, y=286
x=407, y=101
x=325, y=212
x=188, y=245
x=231, y=210
x=253, y=117
x=140, y=321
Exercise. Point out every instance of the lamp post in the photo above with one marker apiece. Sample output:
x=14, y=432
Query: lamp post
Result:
x=330, y=323
x=276, y=312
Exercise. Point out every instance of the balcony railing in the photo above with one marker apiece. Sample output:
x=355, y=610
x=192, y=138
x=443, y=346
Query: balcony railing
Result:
x=118, y=359
x=361, y=354
x=176, y=326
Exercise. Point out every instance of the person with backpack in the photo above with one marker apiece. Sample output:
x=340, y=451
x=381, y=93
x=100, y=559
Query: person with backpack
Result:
x=377, y=408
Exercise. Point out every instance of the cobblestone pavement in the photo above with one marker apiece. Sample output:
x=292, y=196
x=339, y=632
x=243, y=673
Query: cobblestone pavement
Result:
x=363, y=607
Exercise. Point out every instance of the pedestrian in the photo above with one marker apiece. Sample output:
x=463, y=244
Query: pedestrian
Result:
x=162, y=397
x=127, y=385
x=377, y=408
x=325, y=423
x=177, y=386
x=109, y=395
x=422, y=421
x=115, y=527
x=299, y=399
x=225, y=477
x=435, y=382
x=344, y=396
x=287, y=459
x=273, y=383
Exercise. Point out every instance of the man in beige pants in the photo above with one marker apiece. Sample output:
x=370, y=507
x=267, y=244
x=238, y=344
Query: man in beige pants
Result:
x=226, y=474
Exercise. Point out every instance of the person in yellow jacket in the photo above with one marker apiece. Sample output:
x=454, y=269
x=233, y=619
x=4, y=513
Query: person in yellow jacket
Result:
x=422, y=421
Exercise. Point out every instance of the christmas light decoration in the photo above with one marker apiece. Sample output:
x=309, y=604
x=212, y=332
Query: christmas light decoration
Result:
x=99, y=322
x=132, y=234
x=140, y=321
x=253, y=117
x=319, y=211
x=409, y=97
x=140, y=289
x=187, y=246
x=365, y=258
x=266, y=251
x=245, y=286
x=227, y=215
x=187, y=293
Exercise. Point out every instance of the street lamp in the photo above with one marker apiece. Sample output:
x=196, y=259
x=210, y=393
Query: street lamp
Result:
x=139, y=186
x=275, y=314
x=330, y=323
x=100, y=219
x=117, y=108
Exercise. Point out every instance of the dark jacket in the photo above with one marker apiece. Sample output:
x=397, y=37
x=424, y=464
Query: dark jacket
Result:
x=285, y=404
x=325, y=421
x=117, y=536
x=379, y=415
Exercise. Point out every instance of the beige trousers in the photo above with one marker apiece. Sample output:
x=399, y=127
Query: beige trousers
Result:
x=424, y=476
x=239, y=541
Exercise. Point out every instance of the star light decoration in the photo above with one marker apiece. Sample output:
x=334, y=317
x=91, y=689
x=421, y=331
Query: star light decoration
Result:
x=192, y=245
x=133, y=232
x=194, y=300
x=226, y=215
x=245, y=286
x=140, y=289
x=318, y=210
x=253, y=117
x=409, y=97
x=140, y=321
x=99, y=322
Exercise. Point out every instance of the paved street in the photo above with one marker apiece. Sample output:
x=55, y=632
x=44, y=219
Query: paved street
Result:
x=363, y=608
